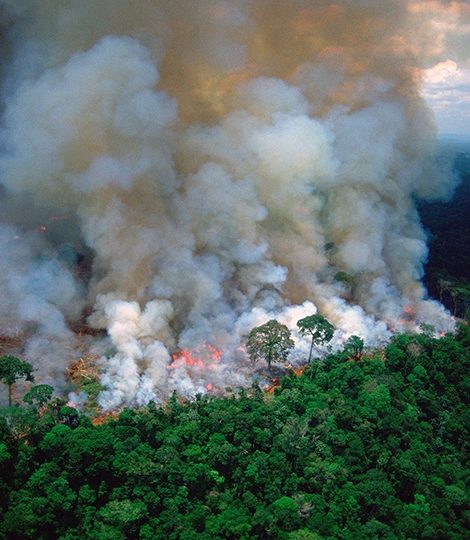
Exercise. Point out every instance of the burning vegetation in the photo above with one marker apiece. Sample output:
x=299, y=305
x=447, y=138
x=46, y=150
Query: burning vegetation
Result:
x=178, y=173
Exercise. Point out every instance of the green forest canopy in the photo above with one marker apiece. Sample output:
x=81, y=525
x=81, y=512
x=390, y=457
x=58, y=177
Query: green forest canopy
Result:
x=352, y=449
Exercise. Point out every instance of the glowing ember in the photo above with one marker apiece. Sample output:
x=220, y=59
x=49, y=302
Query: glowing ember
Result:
x=298, y=371
x=105, y=417
x=409, y=311
x=202, y=363
x=187, y=358
x=216, y=354
x=275, y=383
x=203, y=357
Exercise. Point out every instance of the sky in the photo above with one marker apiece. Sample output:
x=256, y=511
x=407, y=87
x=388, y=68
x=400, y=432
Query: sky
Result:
x=447, y=91
x=446, y=80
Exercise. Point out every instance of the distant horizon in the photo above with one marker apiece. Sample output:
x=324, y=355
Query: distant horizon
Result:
x=457, y=137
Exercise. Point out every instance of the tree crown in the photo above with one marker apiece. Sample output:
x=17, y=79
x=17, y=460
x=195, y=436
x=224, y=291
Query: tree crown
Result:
x=318, y=327
x=270, y=341
x=12, y=369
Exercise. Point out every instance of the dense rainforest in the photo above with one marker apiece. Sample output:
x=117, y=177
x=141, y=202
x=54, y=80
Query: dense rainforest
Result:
x=447, y=272
x=364, y=444
x=361, y=447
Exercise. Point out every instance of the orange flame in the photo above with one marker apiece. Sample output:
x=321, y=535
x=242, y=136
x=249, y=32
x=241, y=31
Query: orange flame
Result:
x=206, y=356
x=409, y=311
x=275, y=383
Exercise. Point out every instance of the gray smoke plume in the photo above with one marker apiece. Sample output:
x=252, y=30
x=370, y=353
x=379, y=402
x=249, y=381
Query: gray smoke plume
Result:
x=221, y=163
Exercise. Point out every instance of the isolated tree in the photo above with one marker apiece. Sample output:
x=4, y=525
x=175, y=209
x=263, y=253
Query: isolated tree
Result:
x=319, y=328
x=270, y=341
x=39, y=395
x=12, y=369
x=354, y=346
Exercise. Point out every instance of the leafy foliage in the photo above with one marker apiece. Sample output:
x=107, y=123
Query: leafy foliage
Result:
x=39, y=395
x=354, y=346
x=352, y=449
x=270, y=341
x=318, y=327
x=12, y=369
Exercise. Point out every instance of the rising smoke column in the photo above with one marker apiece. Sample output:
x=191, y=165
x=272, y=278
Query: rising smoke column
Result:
x=223, y=162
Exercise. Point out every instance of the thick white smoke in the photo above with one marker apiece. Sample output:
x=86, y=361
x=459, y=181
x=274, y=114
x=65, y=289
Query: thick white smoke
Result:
x=225, y=163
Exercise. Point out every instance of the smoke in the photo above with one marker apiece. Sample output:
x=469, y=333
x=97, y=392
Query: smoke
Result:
x=221, y=163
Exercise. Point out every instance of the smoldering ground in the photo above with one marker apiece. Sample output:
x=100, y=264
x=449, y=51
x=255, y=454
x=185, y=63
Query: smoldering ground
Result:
x=220, y=164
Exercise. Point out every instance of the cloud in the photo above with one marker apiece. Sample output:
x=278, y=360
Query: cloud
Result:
x=446, y=88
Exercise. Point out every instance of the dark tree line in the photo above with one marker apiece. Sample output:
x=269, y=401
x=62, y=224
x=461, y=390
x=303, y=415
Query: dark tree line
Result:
x=447, y=272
